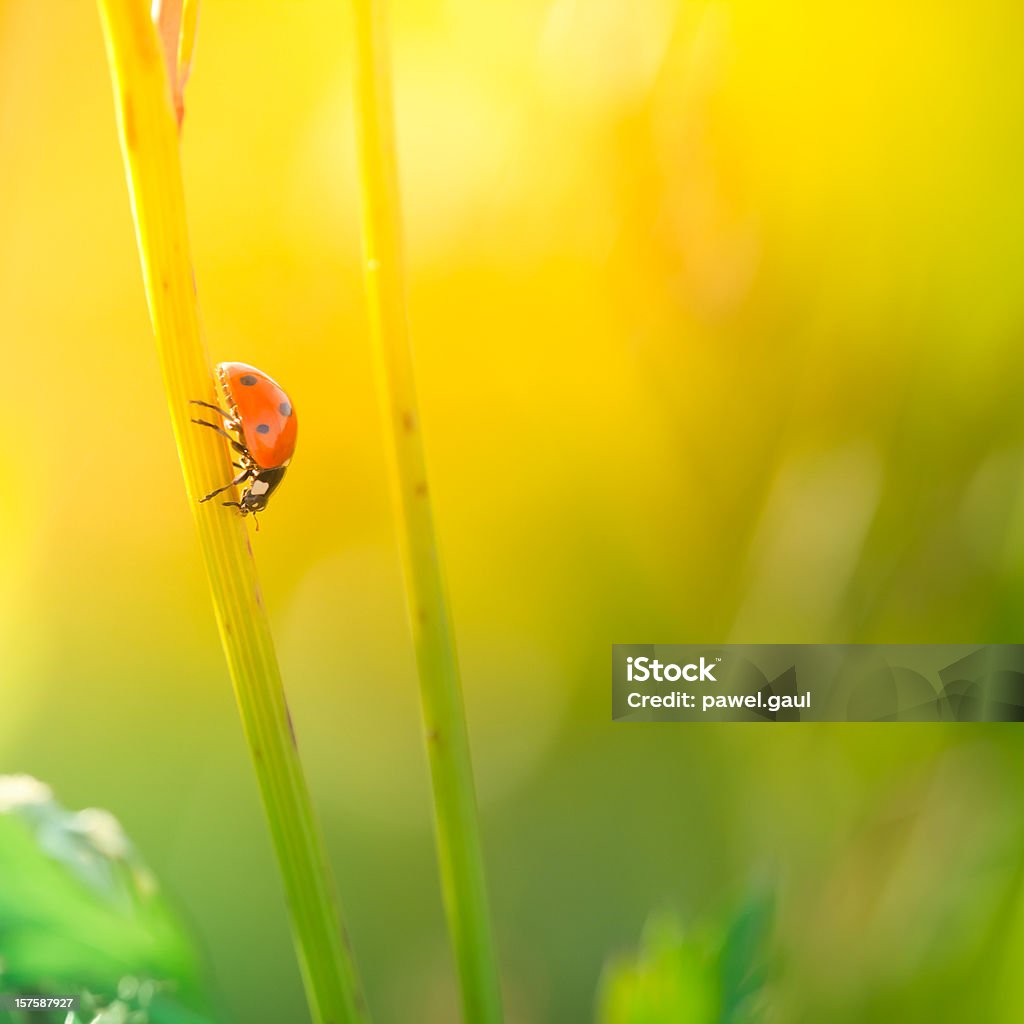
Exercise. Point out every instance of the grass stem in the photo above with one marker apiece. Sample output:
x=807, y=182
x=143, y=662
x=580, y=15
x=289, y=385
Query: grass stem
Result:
x=149, y=142
x=455, y=811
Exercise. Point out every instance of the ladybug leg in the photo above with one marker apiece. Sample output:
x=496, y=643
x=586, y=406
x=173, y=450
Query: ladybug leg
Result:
x=215, y=408
x=237, y=445
x=220, y=490
x=241, y=508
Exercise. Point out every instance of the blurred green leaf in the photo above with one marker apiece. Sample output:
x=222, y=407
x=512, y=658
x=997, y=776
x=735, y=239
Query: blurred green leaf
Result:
x=698, y=977
x=743, y=960
x=81, y=914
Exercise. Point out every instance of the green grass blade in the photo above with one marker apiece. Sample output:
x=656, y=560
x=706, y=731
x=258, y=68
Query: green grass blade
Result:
x=149, y=142
x=455, y=811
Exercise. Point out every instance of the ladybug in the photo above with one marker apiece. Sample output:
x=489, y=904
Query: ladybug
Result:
x=260, y=423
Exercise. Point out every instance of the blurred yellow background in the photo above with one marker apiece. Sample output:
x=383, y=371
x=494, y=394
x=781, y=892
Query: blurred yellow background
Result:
x=718, y=323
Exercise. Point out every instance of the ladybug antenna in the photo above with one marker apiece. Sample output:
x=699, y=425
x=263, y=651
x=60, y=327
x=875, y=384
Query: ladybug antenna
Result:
x=256, y=521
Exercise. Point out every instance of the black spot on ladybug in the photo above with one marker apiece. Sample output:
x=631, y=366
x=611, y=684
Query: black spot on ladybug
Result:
x=263, y=429
x=248, y=380
x=285, y=408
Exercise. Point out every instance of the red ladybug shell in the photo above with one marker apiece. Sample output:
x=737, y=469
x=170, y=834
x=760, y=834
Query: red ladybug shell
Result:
x=269, y=424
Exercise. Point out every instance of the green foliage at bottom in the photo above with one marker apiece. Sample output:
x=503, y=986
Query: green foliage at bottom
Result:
x=706, y=976
x=81, y=914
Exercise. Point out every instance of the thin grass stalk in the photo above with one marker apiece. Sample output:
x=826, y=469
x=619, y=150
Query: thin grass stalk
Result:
x=149, y=142
x=455, y=810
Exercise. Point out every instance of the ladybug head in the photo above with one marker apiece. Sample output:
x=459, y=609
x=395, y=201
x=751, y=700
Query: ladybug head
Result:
x=262, y=485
